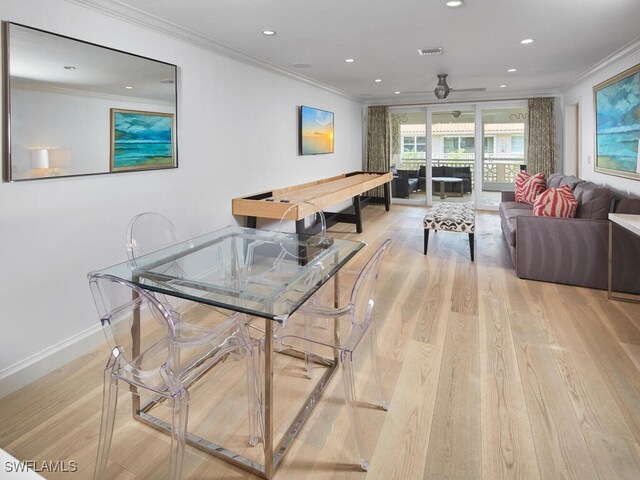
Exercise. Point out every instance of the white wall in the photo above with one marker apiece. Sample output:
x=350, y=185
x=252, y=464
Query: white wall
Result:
x=236, y=135
x=582, y=93
x=77, y=122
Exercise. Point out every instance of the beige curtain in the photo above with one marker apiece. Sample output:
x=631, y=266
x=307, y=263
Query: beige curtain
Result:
x=377, y=143
x=541, y=147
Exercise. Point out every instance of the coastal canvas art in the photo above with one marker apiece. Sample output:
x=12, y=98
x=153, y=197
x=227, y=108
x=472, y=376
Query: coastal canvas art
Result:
x=316, y=131
x=141, y=140
x=617, y=110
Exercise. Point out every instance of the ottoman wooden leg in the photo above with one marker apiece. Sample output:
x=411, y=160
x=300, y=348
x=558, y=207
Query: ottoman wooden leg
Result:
x=471, y=235
x=426, y=240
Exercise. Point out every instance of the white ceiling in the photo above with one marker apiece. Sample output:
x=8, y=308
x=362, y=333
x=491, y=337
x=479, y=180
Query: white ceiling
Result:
x=480, y=40
x=38, y=59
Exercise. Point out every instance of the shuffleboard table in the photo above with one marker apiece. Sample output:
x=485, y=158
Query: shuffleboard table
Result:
x=322, y=194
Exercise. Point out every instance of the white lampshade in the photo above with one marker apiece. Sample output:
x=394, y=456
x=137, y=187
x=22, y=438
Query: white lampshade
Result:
x=40, y=158
x=59, y=158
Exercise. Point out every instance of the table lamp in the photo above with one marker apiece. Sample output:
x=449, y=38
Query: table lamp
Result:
x=51, y=159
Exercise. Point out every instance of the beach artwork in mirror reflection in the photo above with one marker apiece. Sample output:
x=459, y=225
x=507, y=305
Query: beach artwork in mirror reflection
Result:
x=141, y=140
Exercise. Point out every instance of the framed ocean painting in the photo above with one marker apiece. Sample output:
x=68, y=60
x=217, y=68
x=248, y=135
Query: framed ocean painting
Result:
x=617, y=124
x=141, y=140
x=316, y=131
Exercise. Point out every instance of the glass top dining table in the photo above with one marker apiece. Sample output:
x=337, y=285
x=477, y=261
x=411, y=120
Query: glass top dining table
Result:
x=261, y=273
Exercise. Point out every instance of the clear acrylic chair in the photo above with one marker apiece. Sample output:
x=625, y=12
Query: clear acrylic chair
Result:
x=288, y=248
x=164, y=358
x=149, y=232
x=359, y=316
x=288, y=259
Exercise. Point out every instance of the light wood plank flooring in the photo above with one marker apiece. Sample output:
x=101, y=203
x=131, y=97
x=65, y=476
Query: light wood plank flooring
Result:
x=490, y=377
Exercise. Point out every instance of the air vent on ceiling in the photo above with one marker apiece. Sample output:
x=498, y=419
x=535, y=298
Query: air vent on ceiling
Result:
x=429, y=51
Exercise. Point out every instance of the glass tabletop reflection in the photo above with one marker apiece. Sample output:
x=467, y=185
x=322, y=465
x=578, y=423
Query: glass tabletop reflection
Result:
x=262, y=273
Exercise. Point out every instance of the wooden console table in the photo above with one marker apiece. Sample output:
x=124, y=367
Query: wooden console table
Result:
x=631, y=223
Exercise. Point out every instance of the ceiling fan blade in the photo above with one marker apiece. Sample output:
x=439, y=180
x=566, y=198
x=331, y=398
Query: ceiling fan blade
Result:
x=478, y=89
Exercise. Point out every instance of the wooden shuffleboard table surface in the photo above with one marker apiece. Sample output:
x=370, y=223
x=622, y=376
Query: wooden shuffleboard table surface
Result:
x=306, y=199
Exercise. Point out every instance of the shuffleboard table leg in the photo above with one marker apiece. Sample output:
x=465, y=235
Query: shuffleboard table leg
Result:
x=387, y=196
x=471, y=235
x=252, y=222
x=358, y=212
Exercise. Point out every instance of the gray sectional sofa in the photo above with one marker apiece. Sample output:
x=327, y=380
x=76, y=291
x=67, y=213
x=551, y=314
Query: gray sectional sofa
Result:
x=573, y=250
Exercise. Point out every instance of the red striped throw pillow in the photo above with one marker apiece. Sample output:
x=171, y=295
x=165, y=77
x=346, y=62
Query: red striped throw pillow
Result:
x=528, y=187
x=556, y=202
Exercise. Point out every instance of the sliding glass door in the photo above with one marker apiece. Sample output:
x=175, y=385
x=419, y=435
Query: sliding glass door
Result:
x=503, y=151
x=474, y=151
x=408, y=154
x=453, y=153
x=457, y=153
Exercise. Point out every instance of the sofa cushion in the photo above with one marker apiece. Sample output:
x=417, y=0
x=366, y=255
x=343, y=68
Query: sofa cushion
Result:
x=504, y=206
x=554, y=180
x=570, y=180
x=556, y=202
x=437, y=171
x=529, y=187
x=629, y=205
x=594, y=201
x=510, y=223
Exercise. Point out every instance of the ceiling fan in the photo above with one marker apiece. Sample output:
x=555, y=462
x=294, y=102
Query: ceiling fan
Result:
x=443, y=90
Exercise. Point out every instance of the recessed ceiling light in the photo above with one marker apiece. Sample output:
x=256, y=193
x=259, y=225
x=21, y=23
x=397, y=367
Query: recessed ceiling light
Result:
x=302, y=65
x=378, y=80
x=350, y=60
x=504, y=85
x=129, y=88
x=526, y=41
x=511, y=70
x=268, y=33
x=429, y=51
x=69, y=67
x=397, y=93
x=455, y=3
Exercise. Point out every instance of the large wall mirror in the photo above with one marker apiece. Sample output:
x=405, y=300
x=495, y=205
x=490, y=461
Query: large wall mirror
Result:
x=75, y=108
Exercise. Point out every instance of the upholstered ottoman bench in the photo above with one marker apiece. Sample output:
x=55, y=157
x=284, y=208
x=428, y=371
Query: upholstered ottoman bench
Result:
x=451, y=217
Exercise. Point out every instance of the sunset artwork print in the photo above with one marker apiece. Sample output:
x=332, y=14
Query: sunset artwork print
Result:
x=316, y=131
x=617, y=105
x=141, y=140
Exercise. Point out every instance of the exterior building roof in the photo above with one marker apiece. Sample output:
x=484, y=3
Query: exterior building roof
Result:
x=463, y=129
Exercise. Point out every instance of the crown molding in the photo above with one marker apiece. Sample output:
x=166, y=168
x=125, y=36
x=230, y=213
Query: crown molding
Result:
x=617, y=56
x=42, y=87
x=428, y=98
x=119, y=10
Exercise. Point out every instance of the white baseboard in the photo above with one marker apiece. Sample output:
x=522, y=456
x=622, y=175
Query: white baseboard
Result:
x=30, y=369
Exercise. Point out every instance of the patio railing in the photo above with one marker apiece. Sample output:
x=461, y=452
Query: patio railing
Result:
x=499, y=169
